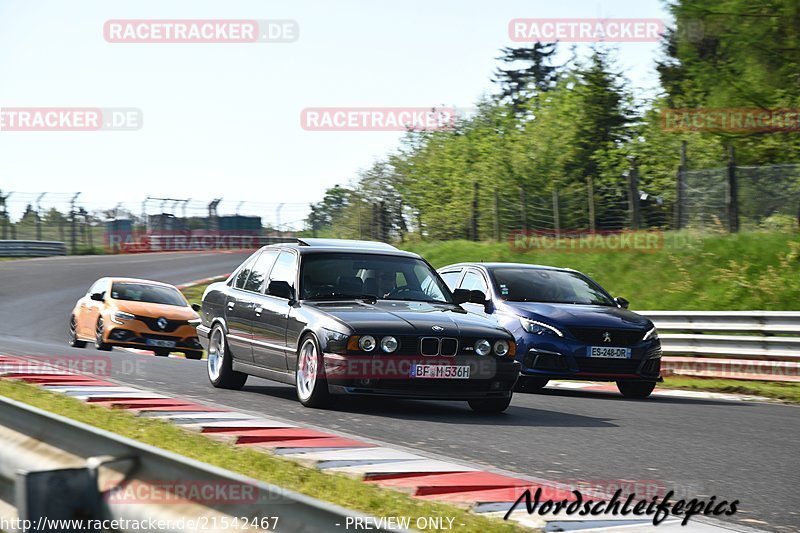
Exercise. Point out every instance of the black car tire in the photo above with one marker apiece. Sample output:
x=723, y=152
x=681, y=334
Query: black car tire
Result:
x=636, y=389
x=98, y=337
x=193, y=355
x=311, y=391
x=73, y=334
x=161, y=353
x=490, y=405
x=530, y=384
x=220, y=362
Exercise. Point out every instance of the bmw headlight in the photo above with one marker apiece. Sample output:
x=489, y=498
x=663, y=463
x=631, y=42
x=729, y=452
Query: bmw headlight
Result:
x=389, y=344
x=335, y=341
x=652, y=334
x=367, y=343
x=482, y=347
x=539, y=328
x=120, y=317
x=501, y=348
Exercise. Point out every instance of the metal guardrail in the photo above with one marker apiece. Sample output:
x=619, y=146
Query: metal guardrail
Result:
x=761, y=348
x=56, y=468
x=32, y=248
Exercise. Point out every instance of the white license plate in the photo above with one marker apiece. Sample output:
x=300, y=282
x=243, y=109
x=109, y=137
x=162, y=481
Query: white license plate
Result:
x=160, y=343
x=440, y=371
x=608, y=352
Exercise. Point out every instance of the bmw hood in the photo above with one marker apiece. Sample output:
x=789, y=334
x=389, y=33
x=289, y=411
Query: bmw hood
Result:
x=568, y=315
x=410, y=318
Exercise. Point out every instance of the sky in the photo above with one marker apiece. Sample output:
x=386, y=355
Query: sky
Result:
x=222, y=120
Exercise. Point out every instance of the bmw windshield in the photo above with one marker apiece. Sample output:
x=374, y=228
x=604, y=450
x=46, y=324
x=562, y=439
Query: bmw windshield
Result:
x=548, y=286
x=353, y=275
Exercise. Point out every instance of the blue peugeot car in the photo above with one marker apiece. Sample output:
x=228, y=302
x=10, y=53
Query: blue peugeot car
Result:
x=565, y=324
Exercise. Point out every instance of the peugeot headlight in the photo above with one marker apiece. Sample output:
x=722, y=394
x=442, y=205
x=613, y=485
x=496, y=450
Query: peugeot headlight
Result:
x=367, y=343
x=389, y=344
x=120, y=317
x=482, y=347
x=539, y=328
x=652, y=334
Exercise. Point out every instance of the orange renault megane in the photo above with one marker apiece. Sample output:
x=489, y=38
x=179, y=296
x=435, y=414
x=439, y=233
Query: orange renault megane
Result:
x=135, y=313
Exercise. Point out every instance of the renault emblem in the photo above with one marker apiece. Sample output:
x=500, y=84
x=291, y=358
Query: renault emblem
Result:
x=606, y=336
x=162, y=323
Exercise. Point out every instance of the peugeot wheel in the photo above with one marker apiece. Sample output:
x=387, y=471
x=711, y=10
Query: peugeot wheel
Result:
x=220, y=363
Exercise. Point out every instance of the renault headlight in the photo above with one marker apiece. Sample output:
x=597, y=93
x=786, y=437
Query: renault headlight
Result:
x=120, y=317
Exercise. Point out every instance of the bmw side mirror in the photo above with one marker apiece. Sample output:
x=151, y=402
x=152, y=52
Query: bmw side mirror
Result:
x=461, y=296
x=477, y=297
x=197, y=307
x=98, y=296
x=622, y=302
x=281, y=289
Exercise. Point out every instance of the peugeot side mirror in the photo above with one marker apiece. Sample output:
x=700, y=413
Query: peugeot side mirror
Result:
x=622, y=302
x=281, y=289
x=98, y=296
x=197, y=307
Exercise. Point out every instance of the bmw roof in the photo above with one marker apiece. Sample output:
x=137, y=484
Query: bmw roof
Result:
x=307, y=245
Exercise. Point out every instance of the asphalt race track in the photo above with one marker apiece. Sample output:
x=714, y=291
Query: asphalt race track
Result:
x=734, y=450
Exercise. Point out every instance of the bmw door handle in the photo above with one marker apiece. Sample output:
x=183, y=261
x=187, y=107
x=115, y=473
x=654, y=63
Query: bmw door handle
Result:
x=259, y=310
x=231, y=304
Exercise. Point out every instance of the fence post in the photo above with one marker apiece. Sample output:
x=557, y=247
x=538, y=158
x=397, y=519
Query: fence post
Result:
x=633, y=196
x=556, y=218
x=496, y=216
x=4, y=214
x=74, y=236
x=590, y=190
x=679, y=189
x=475, y=213
x=39, y=216
x=732, y=193
x=523, y=212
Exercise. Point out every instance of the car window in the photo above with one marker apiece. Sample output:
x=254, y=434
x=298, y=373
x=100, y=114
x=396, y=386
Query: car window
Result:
x=474, y=282
x=284, y=269
x=549, y=286
x=145, y=292
x=451, y=278
x=244, y=272
x=347, y=275
x=260, y=271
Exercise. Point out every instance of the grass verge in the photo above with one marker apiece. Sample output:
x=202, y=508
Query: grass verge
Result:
x=787, y=392
x=334, y=488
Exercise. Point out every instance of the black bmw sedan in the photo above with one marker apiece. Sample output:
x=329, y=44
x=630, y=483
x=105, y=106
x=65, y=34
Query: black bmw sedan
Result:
x=335, y=317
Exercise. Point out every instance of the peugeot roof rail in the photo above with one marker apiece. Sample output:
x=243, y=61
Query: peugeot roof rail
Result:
x=374, y=245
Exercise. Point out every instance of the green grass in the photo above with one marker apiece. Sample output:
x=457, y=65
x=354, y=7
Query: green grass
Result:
x=195, y=293
x=335, y=488
x=753, y=270
x=787, y=392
